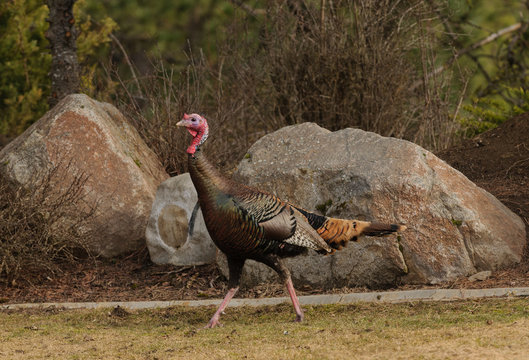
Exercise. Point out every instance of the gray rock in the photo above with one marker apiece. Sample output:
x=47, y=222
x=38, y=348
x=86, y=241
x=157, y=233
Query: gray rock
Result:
x=176, y=233
x=480, y=276
x=84, y=136
x=352, y=266
x=454, y=227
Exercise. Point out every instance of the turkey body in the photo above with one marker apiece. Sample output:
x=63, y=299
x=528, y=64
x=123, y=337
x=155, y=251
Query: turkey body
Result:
x=248, y=223
x=234, y=215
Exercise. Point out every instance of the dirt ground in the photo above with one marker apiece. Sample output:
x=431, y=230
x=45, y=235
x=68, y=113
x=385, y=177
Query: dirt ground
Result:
x=497, y=161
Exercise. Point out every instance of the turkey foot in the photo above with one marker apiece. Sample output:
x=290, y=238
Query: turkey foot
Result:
x=215, y=319
x=213, y=323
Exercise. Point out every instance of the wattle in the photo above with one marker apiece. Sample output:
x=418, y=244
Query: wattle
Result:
x=191, y=149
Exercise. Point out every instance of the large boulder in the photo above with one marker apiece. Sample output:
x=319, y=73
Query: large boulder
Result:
x=84, y=136
x=454, y=227
x=176, y=233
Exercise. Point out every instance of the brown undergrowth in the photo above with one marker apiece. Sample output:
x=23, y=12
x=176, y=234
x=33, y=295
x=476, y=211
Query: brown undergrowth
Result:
x=42, y=226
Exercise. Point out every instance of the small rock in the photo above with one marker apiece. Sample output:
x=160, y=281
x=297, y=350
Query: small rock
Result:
x=480, y=276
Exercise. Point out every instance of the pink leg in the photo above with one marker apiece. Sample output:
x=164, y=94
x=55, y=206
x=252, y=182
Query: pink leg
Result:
x=295, y=301
x=215, y=319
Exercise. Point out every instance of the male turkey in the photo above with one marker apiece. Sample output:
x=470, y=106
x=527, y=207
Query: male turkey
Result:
x=246, y=223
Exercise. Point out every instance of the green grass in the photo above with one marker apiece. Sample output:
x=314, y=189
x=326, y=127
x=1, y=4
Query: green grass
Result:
x=470, y=329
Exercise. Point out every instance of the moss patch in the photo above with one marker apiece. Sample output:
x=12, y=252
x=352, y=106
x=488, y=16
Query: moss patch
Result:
x=324, y=207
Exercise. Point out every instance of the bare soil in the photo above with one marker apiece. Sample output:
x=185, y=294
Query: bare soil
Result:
x=497, y=161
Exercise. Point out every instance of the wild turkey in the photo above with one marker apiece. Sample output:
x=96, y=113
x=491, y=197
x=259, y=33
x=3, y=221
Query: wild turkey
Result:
x=246, y=223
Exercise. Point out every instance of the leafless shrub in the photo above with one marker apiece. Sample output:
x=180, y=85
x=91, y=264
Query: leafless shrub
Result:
x=155, y=103
x=44, y=228
x=433, y=111
x=358, y=64
x=165, y=95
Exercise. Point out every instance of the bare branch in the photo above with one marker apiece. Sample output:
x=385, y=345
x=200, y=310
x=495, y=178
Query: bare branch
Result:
x=250, y=10
x=467, y=50
x=118, y=43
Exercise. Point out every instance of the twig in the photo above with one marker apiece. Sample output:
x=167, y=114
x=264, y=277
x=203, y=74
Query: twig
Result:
x=174, y=271
x=322, y=15
x=466, y=50
x=460, y=101
x=515, y=164
x=250, y=10
x=118, y=43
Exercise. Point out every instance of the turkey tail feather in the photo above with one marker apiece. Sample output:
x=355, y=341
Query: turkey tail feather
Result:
x=380, y=229
x=338, y=232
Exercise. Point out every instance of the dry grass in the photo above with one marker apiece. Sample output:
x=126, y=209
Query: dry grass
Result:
x=465, y=330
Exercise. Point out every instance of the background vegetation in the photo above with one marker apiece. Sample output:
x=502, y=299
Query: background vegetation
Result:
x=427, y=71
x=25, y=59
x=409, y=69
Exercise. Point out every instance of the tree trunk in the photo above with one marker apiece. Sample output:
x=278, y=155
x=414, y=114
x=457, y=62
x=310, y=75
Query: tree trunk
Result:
x=61, y=34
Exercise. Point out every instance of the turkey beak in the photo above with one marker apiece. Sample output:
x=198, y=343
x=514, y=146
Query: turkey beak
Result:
x=185, y=121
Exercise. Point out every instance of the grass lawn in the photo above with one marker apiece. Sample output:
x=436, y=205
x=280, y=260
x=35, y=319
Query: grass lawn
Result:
x=493, y=329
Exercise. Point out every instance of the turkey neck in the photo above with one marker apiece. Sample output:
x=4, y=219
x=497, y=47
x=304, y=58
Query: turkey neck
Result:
x=206, y=178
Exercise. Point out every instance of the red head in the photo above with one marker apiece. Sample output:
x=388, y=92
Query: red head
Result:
x=197, y=127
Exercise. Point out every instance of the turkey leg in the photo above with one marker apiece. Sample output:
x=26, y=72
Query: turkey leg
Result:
x=215, y=318
x=276, y=263
x=235, y=266
x=295, y=300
